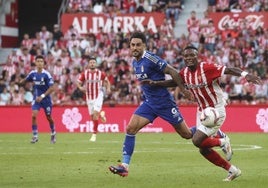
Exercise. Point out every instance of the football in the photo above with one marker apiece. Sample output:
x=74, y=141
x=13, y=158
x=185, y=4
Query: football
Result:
x=209, y=117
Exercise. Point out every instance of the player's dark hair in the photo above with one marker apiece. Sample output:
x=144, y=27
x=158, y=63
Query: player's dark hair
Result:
x=190, y=47
x=138, y=35
x=39, y=57
x=92, y=58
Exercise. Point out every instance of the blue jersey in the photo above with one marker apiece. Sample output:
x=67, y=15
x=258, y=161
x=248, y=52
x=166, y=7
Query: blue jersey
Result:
x=150, y=66
x=158, y=100
x=42, y=81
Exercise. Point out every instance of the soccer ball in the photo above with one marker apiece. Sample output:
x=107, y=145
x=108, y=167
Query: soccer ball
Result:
x=209, y=117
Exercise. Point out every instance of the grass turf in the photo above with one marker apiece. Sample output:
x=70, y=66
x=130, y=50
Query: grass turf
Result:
x=160, y=160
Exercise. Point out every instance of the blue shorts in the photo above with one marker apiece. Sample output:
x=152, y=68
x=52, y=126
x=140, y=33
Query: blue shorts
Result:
x=46, y=104
x=169, y=113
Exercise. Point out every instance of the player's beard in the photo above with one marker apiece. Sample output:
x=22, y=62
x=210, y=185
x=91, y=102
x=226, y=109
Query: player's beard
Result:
x=136, y=54
x=92, y=68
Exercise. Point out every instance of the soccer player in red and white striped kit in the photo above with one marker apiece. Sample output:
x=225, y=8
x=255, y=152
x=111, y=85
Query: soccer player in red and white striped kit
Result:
x=94, y=82
x=202, y=79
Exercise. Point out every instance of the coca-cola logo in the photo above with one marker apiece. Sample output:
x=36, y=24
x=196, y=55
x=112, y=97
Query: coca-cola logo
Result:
x=252, y=21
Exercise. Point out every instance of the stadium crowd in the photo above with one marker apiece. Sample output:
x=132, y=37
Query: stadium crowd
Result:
x=65, y=53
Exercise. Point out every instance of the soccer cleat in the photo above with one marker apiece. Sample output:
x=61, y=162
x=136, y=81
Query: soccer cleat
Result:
x=232, y=175
x=34, y=139
x=102, y=116
x=119, y=170
x=93, y=138
x=53, y=138
x=227, y=149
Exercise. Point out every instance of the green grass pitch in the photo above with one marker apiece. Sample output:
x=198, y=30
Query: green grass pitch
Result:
x=162, y=160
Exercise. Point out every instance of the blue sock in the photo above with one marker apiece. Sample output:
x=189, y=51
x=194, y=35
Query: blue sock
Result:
x=52, y=128
x=193, y=129
x=34, y=130
x=128, y=148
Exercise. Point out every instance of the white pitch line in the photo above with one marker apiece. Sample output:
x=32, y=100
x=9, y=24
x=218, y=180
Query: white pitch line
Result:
x=155, y=150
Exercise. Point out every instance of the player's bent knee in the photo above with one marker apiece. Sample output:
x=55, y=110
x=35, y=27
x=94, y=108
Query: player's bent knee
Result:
x=186, y=135
x=196, y=142
x=131, y=130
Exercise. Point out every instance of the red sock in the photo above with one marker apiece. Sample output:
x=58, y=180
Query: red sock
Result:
x=210, y=142
x=215, y=158
x=217, y=136
x=95, y=127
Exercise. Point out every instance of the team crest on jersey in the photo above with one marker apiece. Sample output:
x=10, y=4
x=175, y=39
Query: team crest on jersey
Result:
x=160, y=64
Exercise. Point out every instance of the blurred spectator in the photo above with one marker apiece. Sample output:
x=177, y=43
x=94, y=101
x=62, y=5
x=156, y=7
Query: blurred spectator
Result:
x=26, y=60
x=9, y=68
x=50, y=42
x=212, y=5
x=58, y=70
x=143, y=6
x=210, y=36
x=173, y=9
x=28, y=96
x=26, y=41
x=261, y=92
x=57, y=33
x=76, y=55
x=160, y=5
x=74, y=6
x=13, y=57
x=193, y=21
x=56, y=51
x=18, y=97
x=222, y=6
x=71, y=31
x=44, y=33
x=73, y=42
x=5, y=97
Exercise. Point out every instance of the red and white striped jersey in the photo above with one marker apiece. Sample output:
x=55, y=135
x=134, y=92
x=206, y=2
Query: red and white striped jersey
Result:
x=204, y=83
x=210, y=34
x=93, y=81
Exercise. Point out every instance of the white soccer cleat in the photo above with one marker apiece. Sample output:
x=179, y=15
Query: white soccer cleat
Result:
x=93, y=138
x=102, y=116
x=233, y=174
x=227, y=149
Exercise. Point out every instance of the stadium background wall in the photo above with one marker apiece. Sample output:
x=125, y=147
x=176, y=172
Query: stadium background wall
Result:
x=240, y=118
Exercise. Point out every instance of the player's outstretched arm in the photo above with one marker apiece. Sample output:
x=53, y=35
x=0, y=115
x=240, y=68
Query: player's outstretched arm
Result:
x=80, y=87
x=238, y=72
x=178, y=80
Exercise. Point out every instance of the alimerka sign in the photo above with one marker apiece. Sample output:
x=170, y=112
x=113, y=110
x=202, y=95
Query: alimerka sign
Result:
x=90, y=23
x=253, y=20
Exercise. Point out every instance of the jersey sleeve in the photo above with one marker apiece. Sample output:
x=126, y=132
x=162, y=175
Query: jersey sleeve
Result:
x=214, y=70
x=29, y=77
x=156, y=62
x=103, y=75
x=81, y=78
x=50, y=80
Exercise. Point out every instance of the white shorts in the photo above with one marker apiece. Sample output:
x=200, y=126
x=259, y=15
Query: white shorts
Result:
x=95, y=105
x=213, y=130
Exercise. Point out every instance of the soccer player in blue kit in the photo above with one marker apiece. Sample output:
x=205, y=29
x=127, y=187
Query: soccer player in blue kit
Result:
x=42, y=87
x=158, y=102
